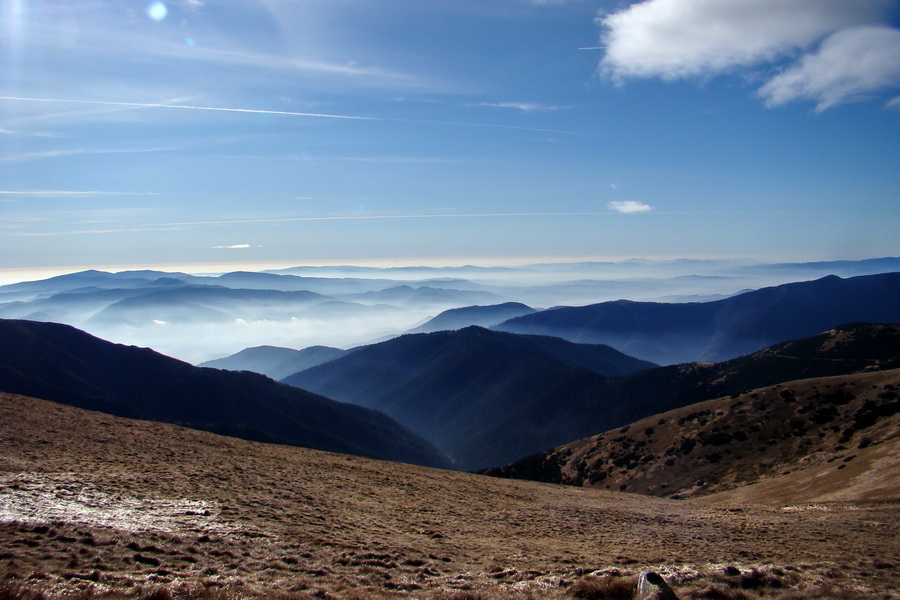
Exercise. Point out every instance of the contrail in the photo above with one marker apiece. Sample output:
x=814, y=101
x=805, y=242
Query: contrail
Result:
x=293, y=114
x=190, y=107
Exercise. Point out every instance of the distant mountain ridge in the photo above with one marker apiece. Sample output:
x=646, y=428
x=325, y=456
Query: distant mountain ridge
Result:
x=63, y=364
x=357, y=305
x=275, y=362
x=483, y=316
x=476, y=394
x=722, y=329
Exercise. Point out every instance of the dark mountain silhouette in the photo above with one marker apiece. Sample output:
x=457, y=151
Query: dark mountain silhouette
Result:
x=483, y=316
x=476, y=394
x=66, y=365
x=276, y=362
x=804, y=402
x=724, y=329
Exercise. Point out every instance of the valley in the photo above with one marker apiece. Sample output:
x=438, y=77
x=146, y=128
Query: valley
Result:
x=126, y=473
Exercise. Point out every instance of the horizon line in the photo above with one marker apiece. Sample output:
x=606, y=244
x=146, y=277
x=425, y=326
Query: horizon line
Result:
x=12, y=275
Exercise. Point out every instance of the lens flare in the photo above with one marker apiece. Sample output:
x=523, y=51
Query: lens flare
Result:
x=157, y=11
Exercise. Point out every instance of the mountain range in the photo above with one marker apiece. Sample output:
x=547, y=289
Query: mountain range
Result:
x=203, y=317
x=481, y=395
x=484, y=398
x=669, y=333
x=63, y=364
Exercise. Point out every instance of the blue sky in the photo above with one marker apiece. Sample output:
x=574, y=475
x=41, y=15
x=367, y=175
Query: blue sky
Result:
x=201, y=132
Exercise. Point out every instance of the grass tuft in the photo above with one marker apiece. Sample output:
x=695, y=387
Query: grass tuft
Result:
x=716, y=592
x=603, y=588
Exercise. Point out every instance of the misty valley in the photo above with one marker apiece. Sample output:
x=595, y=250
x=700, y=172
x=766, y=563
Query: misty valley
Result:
x=704, y=388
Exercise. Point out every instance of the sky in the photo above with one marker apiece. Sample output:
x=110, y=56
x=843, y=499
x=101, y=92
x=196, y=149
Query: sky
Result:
x=294, y=132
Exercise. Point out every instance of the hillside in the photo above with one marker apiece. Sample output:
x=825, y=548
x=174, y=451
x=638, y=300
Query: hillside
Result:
x=64, y=364
x=722, y=329
x=483, y=397
x=275, y=362
x=95, y=506
x=811, y=440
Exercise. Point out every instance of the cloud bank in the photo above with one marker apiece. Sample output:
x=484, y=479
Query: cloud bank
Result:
x=825, y=51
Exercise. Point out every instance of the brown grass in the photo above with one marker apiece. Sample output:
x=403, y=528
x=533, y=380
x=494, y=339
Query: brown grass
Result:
x=828, y=438
x=98, y=508
x=603, y=588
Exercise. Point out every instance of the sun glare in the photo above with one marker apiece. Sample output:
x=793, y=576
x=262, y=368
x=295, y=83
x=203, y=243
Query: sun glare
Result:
x=157, y=11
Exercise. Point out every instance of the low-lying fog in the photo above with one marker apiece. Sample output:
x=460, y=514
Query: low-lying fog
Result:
x=200, y=318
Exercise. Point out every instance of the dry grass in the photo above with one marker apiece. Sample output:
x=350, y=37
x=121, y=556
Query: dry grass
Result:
x=828, y=438
x=603, y=588
x=93, y=508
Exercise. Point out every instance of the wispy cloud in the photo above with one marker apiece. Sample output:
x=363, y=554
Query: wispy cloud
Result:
x=523, y=106
x=33, y=134
x=26, y=156
x=149, y=227
x=629, y=206
x=187, y=107
x=679, y=39
x=264, y=43
x=257, y=111
x=67, y=193
x=232, y=247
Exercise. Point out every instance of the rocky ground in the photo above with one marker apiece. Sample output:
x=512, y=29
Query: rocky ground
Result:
x=96, y=506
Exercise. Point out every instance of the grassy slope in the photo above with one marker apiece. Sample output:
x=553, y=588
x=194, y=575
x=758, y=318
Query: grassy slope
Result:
x=67, y=365
x=92, y=504
x=833, y=438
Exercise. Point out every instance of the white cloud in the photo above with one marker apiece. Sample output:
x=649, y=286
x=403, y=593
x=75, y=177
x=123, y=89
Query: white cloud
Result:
x=847, y=66
x=232, y=247
x=629, y=206
x=685, y=38
x=679, y=39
